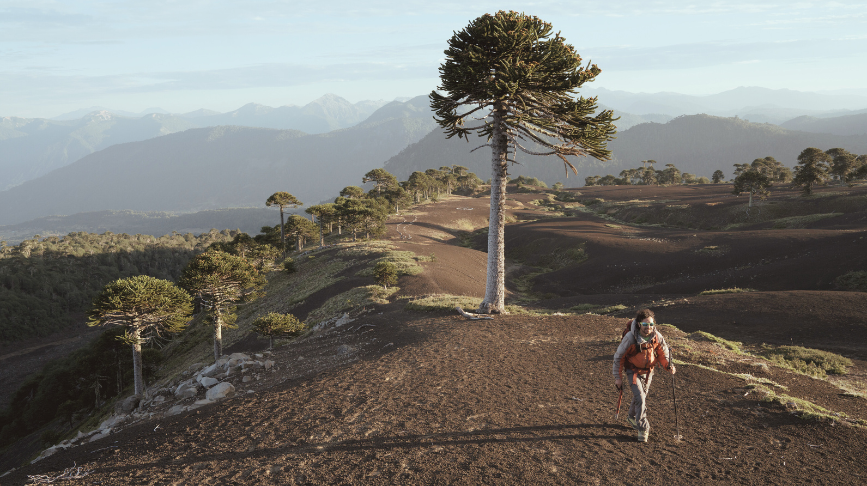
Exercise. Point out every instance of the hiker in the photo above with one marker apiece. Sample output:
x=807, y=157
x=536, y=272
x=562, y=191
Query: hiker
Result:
x=641, y=350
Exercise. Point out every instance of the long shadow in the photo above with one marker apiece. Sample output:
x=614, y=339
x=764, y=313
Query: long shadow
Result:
x=479, y=437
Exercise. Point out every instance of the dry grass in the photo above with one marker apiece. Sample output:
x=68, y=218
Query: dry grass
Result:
x=732, y=290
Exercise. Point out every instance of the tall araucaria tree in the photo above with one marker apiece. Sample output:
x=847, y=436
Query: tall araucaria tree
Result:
x=812, y=169
x=519, y=81
x=219, y=280
x=325, y=213
x=146, y=306
x=381, y=178
x=283, y=200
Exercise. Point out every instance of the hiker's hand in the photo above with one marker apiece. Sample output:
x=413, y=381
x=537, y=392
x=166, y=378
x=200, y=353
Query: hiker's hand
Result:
x=618, y=383
x=672, y=369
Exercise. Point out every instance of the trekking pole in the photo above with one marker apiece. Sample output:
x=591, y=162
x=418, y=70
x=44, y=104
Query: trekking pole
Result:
x=674, y=398
x=619, y=401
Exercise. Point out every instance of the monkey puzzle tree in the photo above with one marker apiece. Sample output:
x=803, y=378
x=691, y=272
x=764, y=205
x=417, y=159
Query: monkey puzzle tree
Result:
x=146, y=306
x=753, y=182
x=522, y=79
x=812, y=169
x=381, y=179
x=352, y=192
x=325, y=213
x=718, y=176
x=275, y=325
x=283, y=200
x=219, y=280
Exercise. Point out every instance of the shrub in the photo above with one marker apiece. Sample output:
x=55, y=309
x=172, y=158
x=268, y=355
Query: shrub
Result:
x=856, y=281
x=809, y=361
x=385, y=274
x=289, y=266
x=733, y=290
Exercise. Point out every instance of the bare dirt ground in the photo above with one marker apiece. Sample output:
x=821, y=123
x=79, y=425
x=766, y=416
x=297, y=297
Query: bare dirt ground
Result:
x=399, y=397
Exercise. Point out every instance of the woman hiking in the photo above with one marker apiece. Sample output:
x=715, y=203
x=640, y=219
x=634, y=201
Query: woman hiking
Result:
x=641, y=350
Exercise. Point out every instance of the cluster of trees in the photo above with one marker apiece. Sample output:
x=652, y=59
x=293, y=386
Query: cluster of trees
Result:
x=647, y=175
x=359, y=212
x=46, y=284
x=815, y=167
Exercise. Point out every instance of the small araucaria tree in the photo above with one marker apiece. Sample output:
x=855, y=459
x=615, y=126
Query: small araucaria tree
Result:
x=753, y=182
x=146, y=306
x=509, y=72
x=277, y=325
x=219, y=280
x=283, y=200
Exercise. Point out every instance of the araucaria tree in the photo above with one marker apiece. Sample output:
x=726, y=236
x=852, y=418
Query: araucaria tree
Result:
x=219, y=280
x=146, y=306
x=274, y=325
x=283, y=200
x=753, y=182
x=507, y=78
x=812, y=169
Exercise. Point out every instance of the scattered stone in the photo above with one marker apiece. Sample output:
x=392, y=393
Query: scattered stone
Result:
x=175, y=410
x=268, y=364
x=208, y=382
x=247, y=379
x=204, y=401
x=220, y=391
x=127, y=405
x=188, y=392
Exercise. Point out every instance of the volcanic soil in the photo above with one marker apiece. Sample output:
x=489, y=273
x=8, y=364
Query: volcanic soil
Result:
x=407, y=397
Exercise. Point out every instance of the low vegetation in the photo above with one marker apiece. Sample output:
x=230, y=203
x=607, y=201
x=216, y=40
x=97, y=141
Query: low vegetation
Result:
x=813, y=362
x=854, y=281
x=732, y=290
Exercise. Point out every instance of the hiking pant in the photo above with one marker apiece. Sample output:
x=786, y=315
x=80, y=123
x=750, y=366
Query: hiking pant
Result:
x=640, y=388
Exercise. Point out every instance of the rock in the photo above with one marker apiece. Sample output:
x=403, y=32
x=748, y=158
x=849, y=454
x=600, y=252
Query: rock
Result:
x=344, y=349
x=112, y=421
x=247, y=379
x=102, y=433
x=240, y=356
x=195, y=366
x=252, y=365
x=127, y=405
x=220, y=391
x=204, y=401
x=343, y=320
x=235, y=363
x=208, y=382
x=189, y=392
x=268, y=364
x=259, y=356
x=222, y=361
x=209, y=371
x=175, y=410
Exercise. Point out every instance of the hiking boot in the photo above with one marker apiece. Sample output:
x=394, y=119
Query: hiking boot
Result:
x=643, y=435
x=632, y=422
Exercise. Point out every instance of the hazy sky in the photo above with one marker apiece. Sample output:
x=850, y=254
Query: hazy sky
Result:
x=58, y=56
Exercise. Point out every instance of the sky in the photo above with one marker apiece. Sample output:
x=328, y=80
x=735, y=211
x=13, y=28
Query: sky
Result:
x=60, y=56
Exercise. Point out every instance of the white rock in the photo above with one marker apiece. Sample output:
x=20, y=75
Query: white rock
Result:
x=204, y=401
x=220, y=362
x=240, y=356
x=268, y=364
x=175, y=410
x=102, y=433
x=259, y=356
x=188, y=392
x=208, y=382
x=209, y=371
x=247, y=379
x=222, y=390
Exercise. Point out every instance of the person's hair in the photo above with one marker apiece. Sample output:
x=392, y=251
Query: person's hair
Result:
x=645, y=314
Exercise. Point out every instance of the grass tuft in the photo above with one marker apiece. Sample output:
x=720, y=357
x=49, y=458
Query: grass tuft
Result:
x=725, y=343
x=813, y=362
x=732, y=290
x=853, y=281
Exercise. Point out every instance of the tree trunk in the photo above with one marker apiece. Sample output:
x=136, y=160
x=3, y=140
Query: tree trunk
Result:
x=495, y=286
x=321, y=233
x=751, y=200
x=136, y=363
x=218, y=333
x=282, y=234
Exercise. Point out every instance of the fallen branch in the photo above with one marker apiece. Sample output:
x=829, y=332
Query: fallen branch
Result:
x=74, y=472
x=470, y=315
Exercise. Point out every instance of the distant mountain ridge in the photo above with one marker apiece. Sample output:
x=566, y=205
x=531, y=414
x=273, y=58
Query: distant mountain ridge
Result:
x=32, y=147
x=841, y=125
x=211, y=168
x=698, y=144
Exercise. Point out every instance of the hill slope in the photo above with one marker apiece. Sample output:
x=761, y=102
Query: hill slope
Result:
x=397, y=396
x=698, y=144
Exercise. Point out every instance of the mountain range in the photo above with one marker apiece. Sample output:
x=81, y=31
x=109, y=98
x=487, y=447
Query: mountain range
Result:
x=31, y=147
